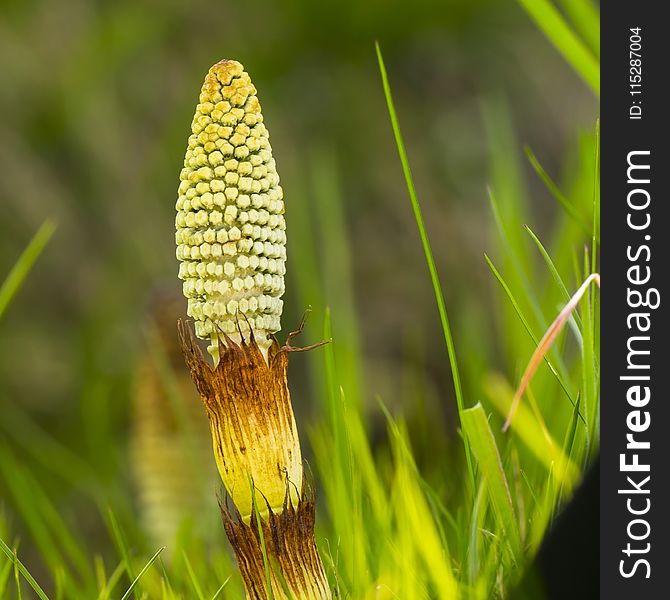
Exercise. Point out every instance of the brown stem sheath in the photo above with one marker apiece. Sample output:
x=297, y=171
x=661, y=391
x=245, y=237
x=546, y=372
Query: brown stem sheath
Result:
x=257, y=452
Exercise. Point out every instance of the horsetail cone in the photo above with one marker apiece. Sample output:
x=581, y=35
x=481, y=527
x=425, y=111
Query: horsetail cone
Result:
x=231, y=244
x=230, y=236
x=169, y=439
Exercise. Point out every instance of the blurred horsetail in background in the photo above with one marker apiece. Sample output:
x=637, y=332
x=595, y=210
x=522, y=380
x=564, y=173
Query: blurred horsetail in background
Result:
x=107, y=476
x=170, y=444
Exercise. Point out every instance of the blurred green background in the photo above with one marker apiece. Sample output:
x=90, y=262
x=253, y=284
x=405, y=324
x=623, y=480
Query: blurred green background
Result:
x=96, y=100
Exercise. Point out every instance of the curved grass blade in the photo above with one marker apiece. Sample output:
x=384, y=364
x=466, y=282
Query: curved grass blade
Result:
x=17, y=579
x=121, y=544
x=221, y=588
x=532, y=431
x=50, y=533
x=415, y=509
x=266, y=562
x=4, y=577
x=595, y=234
x=586, y=19
x=526, y=325
x=22, y=569
x=22, y=267
x=425, y=242
x=139, y=575
x=476, y=524
x=193, y=578
x=569, y=441
x=553, y=270
x=561, y=35
x=528, y=289
x=546, y=342
x=555, y=191
x=590, y=369
x=483, y=444
x=107, y=585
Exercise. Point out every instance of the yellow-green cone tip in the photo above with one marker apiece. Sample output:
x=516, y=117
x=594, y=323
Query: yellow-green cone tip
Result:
x=230, y=236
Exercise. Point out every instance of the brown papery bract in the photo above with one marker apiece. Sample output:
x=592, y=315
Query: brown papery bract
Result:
x=258, y=455
x=294, y=568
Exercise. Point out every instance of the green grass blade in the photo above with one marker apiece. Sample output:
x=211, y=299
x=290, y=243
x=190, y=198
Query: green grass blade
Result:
x=4, y=577
x=164, y=574
x=106, y=586
x=261, y=537
x=336, y=261
x=192, y=577
x=477, y=518
x=550, y=263
x=586, y=19
x=589, y=361
x=553, y=270
x=139, y=575
x=506, y=172
x=529, y=429
x=519, y=312
x=571, y=433
x=555, y=190
x=15, y=476
x=543, y=513
x=121, y=545
x=48, y=451
x=520, y=278
x=482, y=441
x=416, y=514
x=62, y=532
x=437, y=289
x=17, y=579
x=592, y=345
x=22, y=569
x=595, y=234
x=22, y=267
x=561, y=35
x=403, y=449
x=336, y=447
x=334, y=407
x=221, y=588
